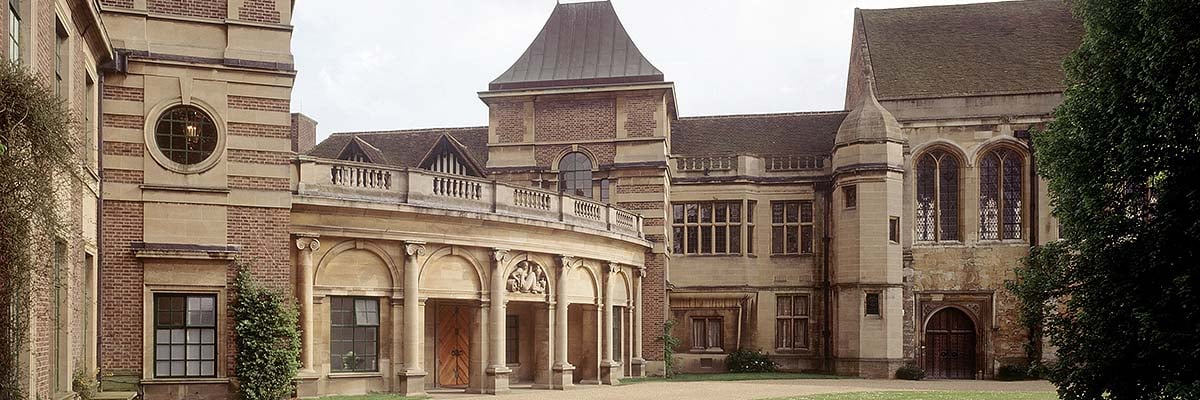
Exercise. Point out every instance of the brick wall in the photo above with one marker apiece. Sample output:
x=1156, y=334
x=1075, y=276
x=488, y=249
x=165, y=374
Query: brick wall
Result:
x=258, y=183
x=263, y=236
x=571, y=120
x=117, y=3
x=113, y=92
x=121, y=307
x=189, y=8
x=259, y=130
x=123, y=176
x=123, y=149
x=259, y=11
x=655, y=306
x=510, y=121
x=304, y=133
x=640, y=121
x=123, y=121
x=259, y=103
x=259, y=156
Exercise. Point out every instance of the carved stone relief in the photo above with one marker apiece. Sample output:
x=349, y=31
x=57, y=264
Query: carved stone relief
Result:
x=528, y=277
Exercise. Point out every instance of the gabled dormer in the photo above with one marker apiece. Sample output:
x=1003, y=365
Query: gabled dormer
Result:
x=361, y=151
x=449, y=156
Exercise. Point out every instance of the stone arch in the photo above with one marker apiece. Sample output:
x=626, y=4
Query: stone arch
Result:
x=976, y=152
x=357, y=274
x=573, y=149
x=583, y=288
x=622, y=289
x=941, y=144
x=965, y=310
x=459, y=274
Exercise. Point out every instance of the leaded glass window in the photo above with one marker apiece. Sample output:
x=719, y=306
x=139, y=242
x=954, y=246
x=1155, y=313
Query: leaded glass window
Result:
x=791, y=227
x=1000, y=181
x=354, y=336
x=186, y=135
x=575, y=174
x=713, y=227
x=791, y=321
x=937, y=197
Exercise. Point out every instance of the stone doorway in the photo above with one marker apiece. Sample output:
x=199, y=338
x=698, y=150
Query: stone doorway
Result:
x=950, y=345
x=453, y=357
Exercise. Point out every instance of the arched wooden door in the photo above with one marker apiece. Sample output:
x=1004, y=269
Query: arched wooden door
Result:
x=453, y=346
x=950, y=345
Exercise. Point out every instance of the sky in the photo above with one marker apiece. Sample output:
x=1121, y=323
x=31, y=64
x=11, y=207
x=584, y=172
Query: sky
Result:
x=384, y=64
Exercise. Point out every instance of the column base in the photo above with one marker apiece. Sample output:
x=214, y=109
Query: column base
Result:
x=306, y=384
x=637, y=368
x=412, y=382
x=496, y=379
x=562, y=376
x=610, y=372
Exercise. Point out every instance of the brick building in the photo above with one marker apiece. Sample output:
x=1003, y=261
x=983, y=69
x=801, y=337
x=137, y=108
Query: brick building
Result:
x=550, y=247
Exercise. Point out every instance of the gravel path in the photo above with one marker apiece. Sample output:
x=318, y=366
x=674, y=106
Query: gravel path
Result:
x=750, y=390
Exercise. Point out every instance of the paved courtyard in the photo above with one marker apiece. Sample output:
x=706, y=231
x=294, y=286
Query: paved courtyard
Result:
x=749, y=390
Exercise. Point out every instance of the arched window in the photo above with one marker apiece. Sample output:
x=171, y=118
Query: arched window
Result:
x=1000, y=183
x=575, y=174
x=937, y=197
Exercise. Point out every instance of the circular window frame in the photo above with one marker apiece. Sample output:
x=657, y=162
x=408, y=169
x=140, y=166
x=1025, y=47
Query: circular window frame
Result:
x=166, y=162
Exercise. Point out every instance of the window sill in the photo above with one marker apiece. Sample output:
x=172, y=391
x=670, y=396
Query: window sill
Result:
x=793, y=255
x=707, y=351
x=179, y=381
x=364, y=374
x=720, y=255
x=793, y=352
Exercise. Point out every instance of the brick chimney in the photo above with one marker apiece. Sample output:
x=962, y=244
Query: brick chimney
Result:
x=304, y=133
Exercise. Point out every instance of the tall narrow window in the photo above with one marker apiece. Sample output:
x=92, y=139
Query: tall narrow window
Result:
x=605, y=190
x=60, y=60
x=791, y=321
x=575, y=174
x=706, y=334
x=791, y=227
x=512, y=339
x=185, y=332
x=89, y=121
x=871, y=304
x=618, y=319
x=850, y=192
x=14, y=31
x=713, y=227
x=58, y=349
x=937, y=197
x=1000, y=180
x=354, y=335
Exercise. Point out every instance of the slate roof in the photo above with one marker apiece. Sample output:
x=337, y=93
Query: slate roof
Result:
x=986, y=48
x=785, y=133
x=407, y=148
x=581, y=44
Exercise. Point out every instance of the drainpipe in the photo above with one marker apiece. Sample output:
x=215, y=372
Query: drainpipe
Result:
x=117, y=65
x=827, y=332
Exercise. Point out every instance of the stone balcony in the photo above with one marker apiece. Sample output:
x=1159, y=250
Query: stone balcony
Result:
x=321, y=178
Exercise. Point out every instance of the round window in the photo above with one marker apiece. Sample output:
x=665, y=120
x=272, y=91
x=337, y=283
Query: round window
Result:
x=186, y=135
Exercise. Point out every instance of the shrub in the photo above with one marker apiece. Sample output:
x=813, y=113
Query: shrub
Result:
x=84, y=385
x=1012, y=373
x=268, y=341
x=910, y=372
x=669, y=344
x=743, y=360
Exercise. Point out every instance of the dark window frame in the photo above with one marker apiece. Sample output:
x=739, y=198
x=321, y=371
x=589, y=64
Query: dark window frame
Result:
x=199, y=342
x=705, y=327
x=337, y=360
x=786, y=320
x=186, y=134
x=512, y=339
x=894, y=229
x=575, y=174
x=792, y=236
x=713, y=234
x=873, y=304
x=850, y=195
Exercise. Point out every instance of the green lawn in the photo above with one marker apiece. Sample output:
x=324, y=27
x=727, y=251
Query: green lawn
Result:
x=938, y=395
x=374, y=396
x=743, y=376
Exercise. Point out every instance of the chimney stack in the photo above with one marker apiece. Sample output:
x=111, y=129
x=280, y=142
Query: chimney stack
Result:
x=304, y=133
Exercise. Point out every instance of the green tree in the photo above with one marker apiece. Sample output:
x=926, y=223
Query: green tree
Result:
x=39, y=156
x=1123, y=162
x=268, y=341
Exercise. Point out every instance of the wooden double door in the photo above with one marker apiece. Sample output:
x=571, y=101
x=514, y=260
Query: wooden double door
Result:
x=453, y=357
x=950, y=350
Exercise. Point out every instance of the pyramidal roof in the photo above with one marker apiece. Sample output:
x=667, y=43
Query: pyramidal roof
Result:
x=581, y=44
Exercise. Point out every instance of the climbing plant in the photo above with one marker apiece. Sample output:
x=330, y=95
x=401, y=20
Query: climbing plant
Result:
x=670, y=342
x=39, y=156
x=268, y=341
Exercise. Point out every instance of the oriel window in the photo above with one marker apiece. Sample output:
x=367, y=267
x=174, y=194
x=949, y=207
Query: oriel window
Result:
x=711, y=227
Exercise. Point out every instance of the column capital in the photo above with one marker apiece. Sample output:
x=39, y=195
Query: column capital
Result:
x=612, y=267
x=414, y=248
x=566, y=261
x=501, y=255
x=307, y=243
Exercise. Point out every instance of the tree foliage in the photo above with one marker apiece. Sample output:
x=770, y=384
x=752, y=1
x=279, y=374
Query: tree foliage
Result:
x=268, y=341
x=1123, y=162
x=39, y=156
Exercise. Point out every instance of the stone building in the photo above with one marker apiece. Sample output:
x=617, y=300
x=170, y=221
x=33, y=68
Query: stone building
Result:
x=64, y=43
x=550, y=247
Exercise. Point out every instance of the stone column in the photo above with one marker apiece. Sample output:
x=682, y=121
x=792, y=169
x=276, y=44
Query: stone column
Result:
x=497, y=370
x=412, y=378
x=307, y=244
x=562, y=370
x=306, y=385
x=610, y=370
x=637, y=364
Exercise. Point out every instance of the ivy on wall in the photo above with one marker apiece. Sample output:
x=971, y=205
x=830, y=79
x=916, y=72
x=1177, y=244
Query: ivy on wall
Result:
x=268, y=341
x=39, y=156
